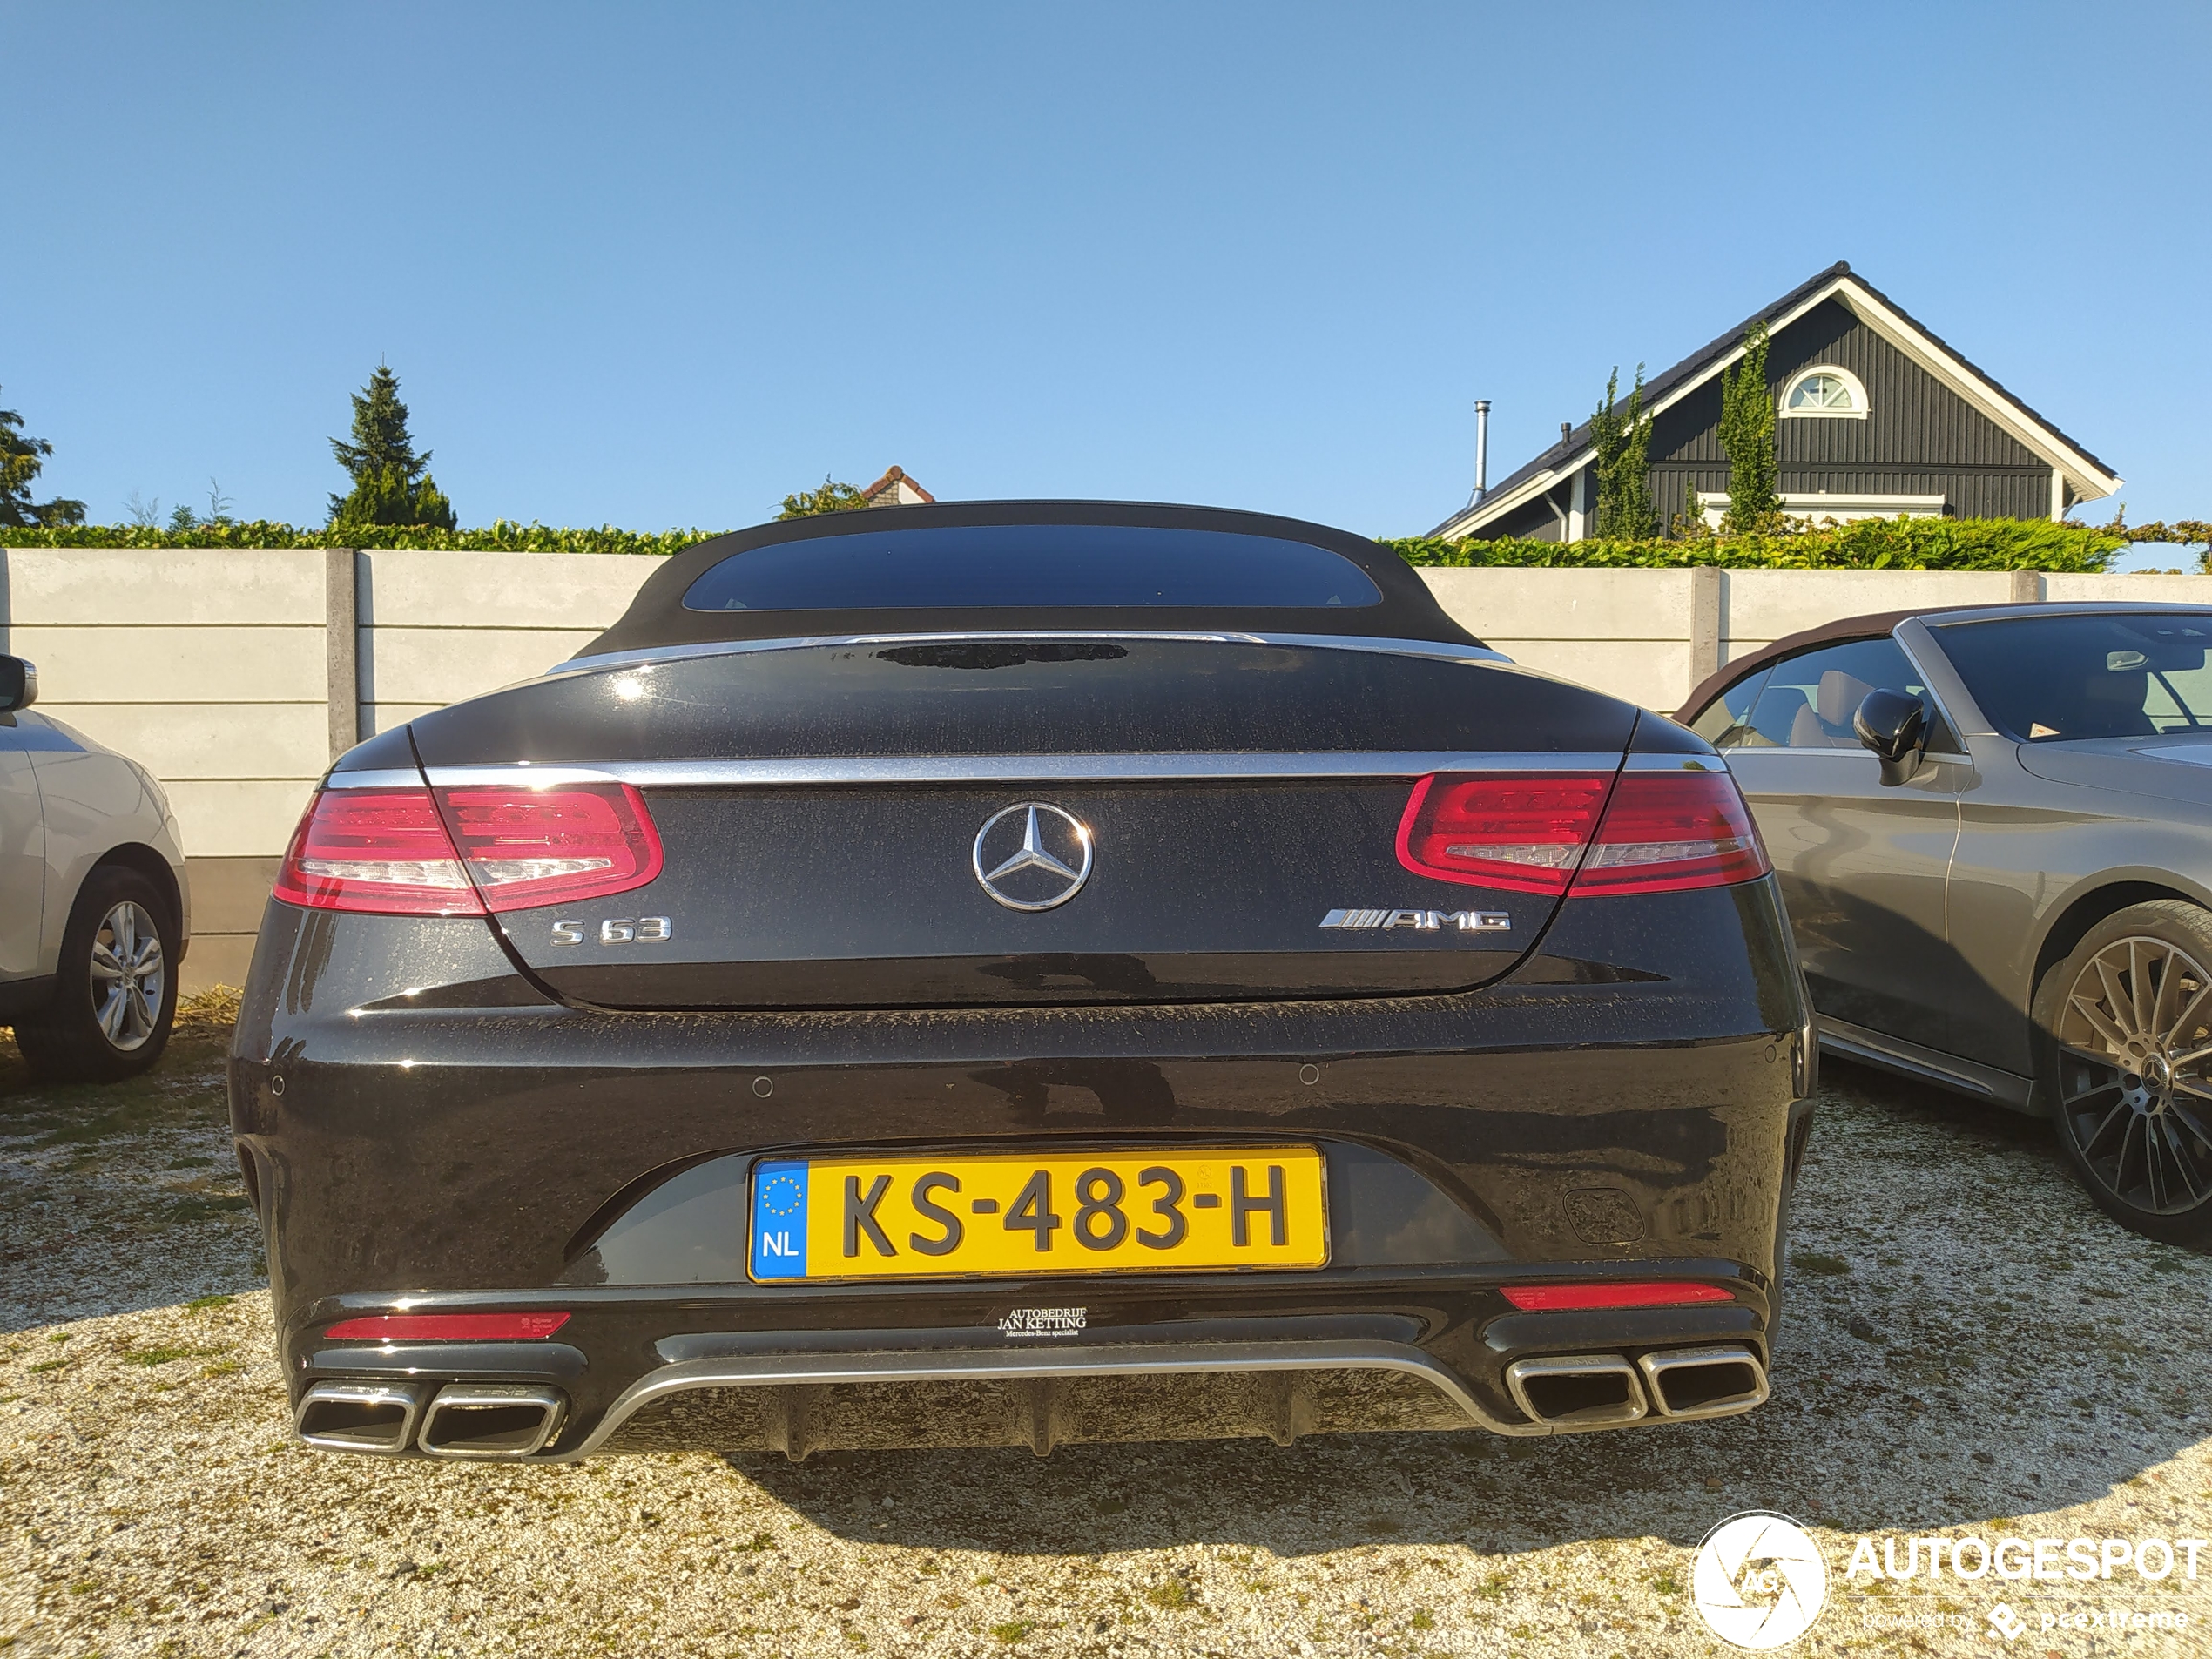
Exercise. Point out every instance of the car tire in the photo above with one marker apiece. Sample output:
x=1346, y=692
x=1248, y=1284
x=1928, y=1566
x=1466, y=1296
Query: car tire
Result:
x=115, y=991
x=2123, y=1033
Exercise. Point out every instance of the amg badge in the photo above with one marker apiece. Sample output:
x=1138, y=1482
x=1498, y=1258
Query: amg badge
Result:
x=1427, y=921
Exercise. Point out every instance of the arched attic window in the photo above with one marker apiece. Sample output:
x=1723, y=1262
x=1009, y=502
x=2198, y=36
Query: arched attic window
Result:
x=1824, y=393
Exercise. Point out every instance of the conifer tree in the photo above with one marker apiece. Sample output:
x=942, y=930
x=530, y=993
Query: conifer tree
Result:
x=392, y=484
x=1621, y=438
x=1747, y=437
x=20, y=460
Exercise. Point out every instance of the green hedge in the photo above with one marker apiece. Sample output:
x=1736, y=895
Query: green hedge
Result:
x=1867, y=544
x=504, y=536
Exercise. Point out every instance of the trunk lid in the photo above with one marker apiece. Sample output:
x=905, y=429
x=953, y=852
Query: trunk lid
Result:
x=833, y=818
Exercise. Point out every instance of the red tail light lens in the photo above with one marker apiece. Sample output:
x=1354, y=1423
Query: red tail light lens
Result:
x=536, y=846
x=1522, y=832
x=447, y=1328
x=1638, y=832
x=1542, y=1298
x=393, y=852
x=1666, y=831
x=379, y=850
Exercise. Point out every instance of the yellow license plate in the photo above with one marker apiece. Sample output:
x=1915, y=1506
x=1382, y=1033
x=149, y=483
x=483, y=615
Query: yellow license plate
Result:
x=1011, y=1213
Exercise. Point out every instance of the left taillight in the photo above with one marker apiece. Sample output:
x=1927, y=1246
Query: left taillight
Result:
x=409, y=852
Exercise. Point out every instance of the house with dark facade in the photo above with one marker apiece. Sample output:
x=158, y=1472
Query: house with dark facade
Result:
x=1875, y=417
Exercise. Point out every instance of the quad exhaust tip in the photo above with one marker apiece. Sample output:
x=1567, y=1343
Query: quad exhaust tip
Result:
x=1578, y=1390
x=1606, y=1391
x=1704, y=1382
x=377, y=1418
x=486, y=1421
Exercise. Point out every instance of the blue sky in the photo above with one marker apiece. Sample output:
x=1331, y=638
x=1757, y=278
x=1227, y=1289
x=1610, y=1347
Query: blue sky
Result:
x=657, y=265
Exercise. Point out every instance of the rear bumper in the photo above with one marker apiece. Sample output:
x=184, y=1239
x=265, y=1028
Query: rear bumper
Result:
x=423, y=1131
x=1444, y=1356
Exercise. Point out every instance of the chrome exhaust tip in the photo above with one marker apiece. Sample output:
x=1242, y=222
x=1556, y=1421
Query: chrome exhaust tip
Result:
x=1691, y=1383
x=491, y=1419
x=1577, y=1391
x=376, y=1418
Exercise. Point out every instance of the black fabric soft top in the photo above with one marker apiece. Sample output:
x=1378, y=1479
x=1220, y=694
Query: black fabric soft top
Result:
x=657, y=617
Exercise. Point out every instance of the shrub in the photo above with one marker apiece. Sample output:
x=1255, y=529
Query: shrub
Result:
x=1867, y=544
x=503, y=536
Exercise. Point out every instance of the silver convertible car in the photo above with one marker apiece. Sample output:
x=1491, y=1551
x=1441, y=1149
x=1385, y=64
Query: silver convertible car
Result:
x=2011, y=894
x=94, y=911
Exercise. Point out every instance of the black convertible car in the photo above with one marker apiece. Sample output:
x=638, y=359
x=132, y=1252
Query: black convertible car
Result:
x=1019, y=974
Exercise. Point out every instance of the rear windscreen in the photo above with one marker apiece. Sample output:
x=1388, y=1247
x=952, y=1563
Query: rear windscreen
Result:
x=1037, y=566
x=2042, y=679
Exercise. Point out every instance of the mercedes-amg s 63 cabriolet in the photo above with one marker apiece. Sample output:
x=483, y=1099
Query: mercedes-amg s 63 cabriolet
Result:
x=1020, y=973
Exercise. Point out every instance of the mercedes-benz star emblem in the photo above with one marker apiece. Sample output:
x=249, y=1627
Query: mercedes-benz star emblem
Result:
x=1032, y=856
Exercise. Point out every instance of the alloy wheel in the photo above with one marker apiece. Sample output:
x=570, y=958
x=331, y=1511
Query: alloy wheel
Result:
x=129, y=975
x=2135, y=1090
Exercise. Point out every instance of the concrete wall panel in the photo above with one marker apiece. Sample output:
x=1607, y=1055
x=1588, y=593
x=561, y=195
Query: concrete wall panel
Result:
x=574, y=590
x=440, y=666
x=1760, y=606
x=238, y=818
x=284, y=740
x=105, y=587
x=1496, y=604
x=203, y=665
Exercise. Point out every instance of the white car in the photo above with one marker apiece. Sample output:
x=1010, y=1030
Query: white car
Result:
x=94, y=910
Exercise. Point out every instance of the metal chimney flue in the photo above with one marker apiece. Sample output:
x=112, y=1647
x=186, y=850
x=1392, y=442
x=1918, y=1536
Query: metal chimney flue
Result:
x=1481, y=451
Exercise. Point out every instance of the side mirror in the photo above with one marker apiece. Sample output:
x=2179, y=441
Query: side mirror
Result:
x=18, y=684
x=1894, y=726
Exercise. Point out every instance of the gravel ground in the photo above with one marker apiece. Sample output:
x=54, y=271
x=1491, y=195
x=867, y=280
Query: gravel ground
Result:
x=1971, y=1349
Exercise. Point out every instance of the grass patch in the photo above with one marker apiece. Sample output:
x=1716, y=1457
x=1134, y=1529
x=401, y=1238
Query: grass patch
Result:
x=1811, y=1261
x=1170, y=1592
x=201, y=1303
x=151, y=1357
x=1013, y=1630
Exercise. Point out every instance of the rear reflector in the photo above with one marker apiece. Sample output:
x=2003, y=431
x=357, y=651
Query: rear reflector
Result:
x=401, y=851
x=1638, y=831
x=1535, y=1297
x=447, y=1328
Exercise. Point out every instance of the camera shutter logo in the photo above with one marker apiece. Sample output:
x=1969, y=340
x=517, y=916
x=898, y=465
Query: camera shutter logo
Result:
x=1759, y=1581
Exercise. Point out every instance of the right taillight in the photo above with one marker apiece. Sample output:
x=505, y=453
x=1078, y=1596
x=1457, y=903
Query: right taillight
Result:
x=403, y=852
x=1666, y=831
x=1587, y=833
x=1524, y=832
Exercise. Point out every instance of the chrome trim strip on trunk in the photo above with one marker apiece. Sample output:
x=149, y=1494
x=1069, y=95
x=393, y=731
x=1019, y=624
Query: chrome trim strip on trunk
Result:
x=1002, y=769
x=768, y=1371
x=386, y=778
x=646, y=655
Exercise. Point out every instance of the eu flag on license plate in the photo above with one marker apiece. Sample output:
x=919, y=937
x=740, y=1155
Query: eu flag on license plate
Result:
x=779, y=1219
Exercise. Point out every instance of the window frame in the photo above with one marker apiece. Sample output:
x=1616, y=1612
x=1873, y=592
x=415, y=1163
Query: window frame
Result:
x=1940, y=723
x=1851, y=383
